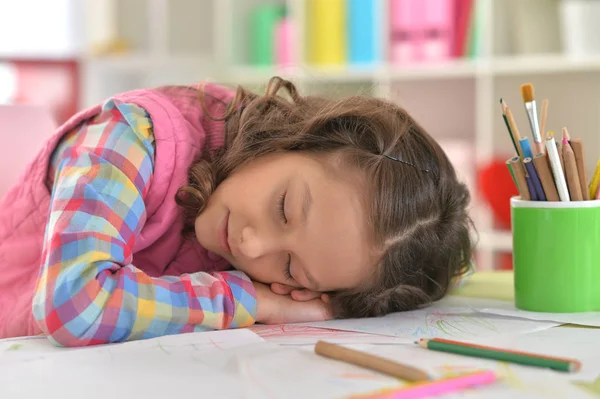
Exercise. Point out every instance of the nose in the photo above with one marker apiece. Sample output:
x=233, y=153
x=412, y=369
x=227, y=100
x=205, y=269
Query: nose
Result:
x=252, y=245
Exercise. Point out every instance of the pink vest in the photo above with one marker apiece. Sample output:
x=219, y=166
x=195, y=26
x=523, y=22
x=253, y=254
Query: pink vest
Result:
x=181, y=131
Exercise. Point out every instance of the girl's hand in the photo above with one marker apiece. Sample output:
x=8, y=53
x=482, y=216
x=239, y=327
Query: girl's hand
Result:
x=298, y=294
x=280, y=309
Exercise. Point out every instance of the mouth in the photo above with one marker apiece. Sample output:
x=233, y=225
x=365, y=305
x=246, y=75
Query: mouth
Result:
x=224, y=234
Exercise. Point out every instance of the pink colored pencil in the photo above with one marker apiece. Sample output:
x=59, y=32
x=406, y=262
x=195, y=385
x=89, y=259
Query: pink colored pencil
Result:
x=432, y=388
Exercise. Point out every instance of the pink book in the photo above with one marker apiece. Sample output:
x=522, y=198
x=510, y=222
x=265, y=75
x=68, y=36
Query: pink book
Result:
x=405, y=30
x=462, y=18
x=438, y=29
x=284, y=43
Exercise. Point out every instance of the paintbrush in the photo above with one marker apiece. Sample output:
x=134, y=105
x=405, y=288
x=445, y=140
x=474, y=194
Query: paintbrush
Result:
x=531, y=108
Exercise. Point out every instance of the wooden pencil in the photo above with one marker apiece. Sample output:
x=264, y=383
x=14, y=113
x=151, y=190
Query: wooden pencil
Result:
x=372, y=362
x=486, y=352
x=516, y=167
x=514, y=131
x=577, y=146
x=510, y=133
x=543, y=118
x=540, y=161
x=571, y=171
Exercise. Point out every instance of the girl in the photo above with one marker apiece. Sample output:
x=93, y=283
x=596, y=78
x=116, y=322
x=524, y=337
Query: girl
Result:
x=125, y=225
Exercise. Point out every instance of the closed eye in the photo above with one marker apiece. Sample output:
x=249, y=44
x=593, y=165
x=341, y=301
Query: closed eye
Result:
x=282, y=208
x=288, y=272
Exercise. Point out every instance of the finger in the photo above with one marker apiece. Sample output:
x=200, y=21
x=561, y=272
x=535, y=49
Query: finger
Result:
x=319, y=311
x=305, y=295
x=325, y=298
x=314, y=310
x=281, y=289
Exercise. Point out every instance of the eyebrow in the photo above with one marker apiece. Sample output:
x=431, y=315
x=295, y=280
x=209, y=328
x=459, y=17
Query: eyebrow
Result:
x=306, y=202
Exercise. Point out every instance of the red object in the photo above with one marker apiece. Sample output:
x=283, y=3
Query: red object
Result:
x=53, y=84
x=497, y=187
x=504, y=261
x=463, y=9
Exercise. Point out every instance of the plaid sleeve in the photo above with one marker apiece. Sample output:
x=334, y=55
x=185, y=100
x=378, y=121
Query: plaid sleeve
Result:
x=88, y=292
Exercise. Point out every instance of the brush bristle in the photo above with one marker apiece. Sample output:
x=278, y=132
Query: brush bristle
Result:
x=527, y=92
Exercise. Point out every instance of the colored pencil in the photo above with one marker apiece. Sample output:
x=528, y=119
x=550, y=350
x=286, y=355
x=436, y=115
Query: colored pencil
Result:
x=595, y=181
x=561, y=156
x=372, y=362
x=535, y=179
x=540, y=162
x=510, y=133
x=516, y=168
x=557, y=170
x=571, y=173
x=577, y=146
x=526, y=147
x=514, y=130
x=433, y=388
x=544, y=116
x=529, y=359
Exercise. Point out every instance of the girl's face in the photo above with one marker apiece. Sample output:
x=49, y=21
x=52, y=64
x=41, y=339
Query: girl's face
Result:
x=291, y=218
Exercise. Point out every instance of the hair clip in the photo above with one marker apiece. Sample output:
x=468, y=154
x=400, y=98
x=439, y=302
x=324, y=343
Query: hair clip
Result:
x=404, y=162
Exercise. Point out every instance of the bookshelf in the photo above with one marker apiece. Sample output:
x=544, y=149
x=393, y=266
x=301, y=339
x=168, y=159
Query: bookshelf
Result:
x=181, y=41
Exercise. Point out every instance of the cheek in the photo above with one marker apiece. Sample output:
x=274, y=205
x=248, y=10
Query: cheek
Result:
x=261, y=272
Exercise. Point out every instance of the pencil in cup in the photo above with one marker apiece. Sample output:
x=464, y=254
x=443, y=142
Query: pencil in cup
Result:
x=557, y=170
x=486, y=352
x=514, y=131
x=368, y=361
x=577, y=146
x=427, y=389
x=540, y=162
x=593, y=187
x=512, y=139
x=518, y=172
x=526, y=148
x=571, y=174
x=535, y=180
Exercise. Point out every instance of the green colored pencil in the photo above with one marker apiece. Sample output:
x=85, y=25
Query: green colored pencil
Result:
x=510, y=133
x=512, y=173
x=529, y=359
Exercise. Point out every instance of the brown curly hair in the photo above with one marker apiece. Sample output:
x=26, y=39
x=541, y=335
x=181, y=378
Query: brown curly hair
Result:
x=418, y=207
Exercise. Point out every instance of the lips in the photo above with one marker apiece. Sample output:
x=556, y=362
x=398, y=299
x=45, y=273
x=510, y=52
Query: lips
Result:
x=224, y=234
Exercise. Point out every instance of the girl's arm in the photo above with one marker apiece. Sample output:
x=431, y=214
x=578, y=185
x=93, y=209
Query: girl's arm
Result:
x=88, y=292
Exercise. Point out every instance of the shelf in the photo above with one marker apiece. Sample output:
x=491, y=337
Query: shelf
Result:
x=350, y=73
x=453, y=69
x=52, y=56
x=542, y=64
x=147, y=62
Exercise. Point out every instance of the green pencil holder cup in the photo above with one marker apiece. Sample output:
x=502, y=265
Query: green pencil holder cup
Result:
x=556, y=255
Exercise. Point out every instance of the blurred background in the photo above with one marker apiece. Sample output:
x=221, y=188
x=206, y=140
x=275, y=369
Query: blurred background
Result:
x=447, y=61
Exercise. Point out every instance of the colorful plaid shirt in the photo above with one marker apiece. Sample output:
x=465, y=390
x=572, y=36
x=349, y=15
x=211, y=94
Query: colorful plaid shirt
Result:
x=87, y=292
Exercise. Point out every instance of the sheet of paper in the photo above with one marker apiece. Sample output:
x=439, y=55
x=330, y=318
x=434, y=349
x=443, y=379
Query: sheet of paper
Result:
x=186, y=345
x=290, y=334
x=449, y=318
x=298, y=373
x=579, y=343
x=506, y=308
x=197, y=364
